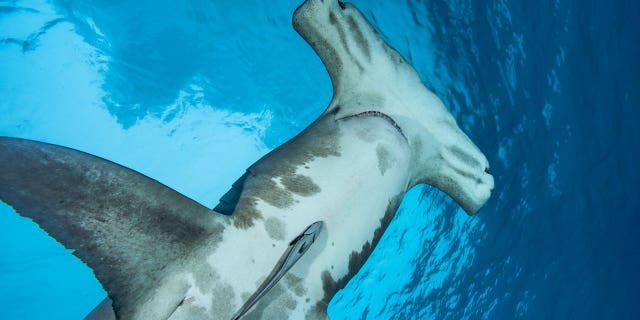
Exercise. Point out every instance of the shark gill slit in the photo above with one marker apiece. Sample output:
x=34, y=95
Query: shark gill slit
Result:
x=379, y=115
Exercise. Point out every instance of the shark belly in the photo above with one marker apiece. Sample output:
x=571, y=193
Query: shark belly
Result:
x=356, y=192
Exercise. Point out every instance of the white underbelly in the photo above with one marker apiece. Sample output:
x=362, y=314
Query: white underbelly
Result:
x=354, y=192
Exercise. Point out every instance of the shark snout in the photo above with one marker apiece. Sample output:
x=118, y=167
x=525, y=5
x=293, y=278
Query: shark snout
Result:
x=466, y=175
x=447, y=159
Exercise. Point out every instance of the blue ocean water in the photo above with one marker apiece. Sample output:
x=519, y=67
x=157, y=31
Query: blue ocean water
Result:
x=192, y=92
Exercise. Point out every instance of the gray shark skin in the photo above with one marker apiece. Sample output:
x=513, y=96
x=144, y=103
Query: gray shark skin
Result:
x=161, y=255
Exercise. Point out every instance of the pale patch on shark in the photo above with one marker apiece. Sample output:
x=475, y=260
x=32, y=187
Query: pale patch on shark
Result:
x=160, y=255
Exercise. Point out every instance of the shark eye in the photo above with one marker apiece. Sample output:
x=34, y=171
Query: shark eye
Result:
x=341, y=4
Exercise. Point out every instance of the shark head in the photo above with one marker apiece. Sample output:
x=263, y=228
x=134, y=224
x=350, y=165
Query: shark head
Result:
x=370, y=78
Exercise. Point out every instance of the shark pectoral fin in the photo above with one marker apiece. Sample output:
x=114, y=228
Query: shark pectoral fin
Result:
x=229, y=200
x=297, y=248
x=128, y=228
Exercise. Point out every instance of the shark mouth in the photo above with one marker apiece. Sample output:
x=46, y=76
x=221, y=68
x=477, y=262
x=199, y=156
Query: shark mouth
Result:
x=379, y=115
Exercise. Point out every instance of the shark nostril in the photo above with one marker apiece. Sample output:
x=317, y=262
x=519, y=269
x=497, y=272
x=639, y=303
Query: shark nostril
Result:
x=487, y=170
x=341, y=4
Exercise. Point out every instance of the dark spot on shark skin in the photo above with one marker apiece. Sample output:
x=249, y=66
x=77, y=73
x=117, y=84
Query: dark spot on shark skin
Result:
x=269, y=191
x=222, y=295
x=385, y=159
x=468, y=175
x=463, y=156
x=294, y=283
x=205, y=276
x=343, y=40
x=300, y=184
x=356, y=259
x=276, y=304
x=359, y=37
x=265, y=188
x=246, y=213
x=326, y=52
x=316, y=314
x=320, y=139
x=275, y=228
x=208, y=282
x=330, y=287
x=332, y=19
x=366, y=134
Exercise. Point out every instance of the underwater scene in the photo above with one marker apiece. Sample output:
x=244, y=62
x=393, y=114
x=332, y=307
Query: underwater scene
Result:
x=191, y=93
